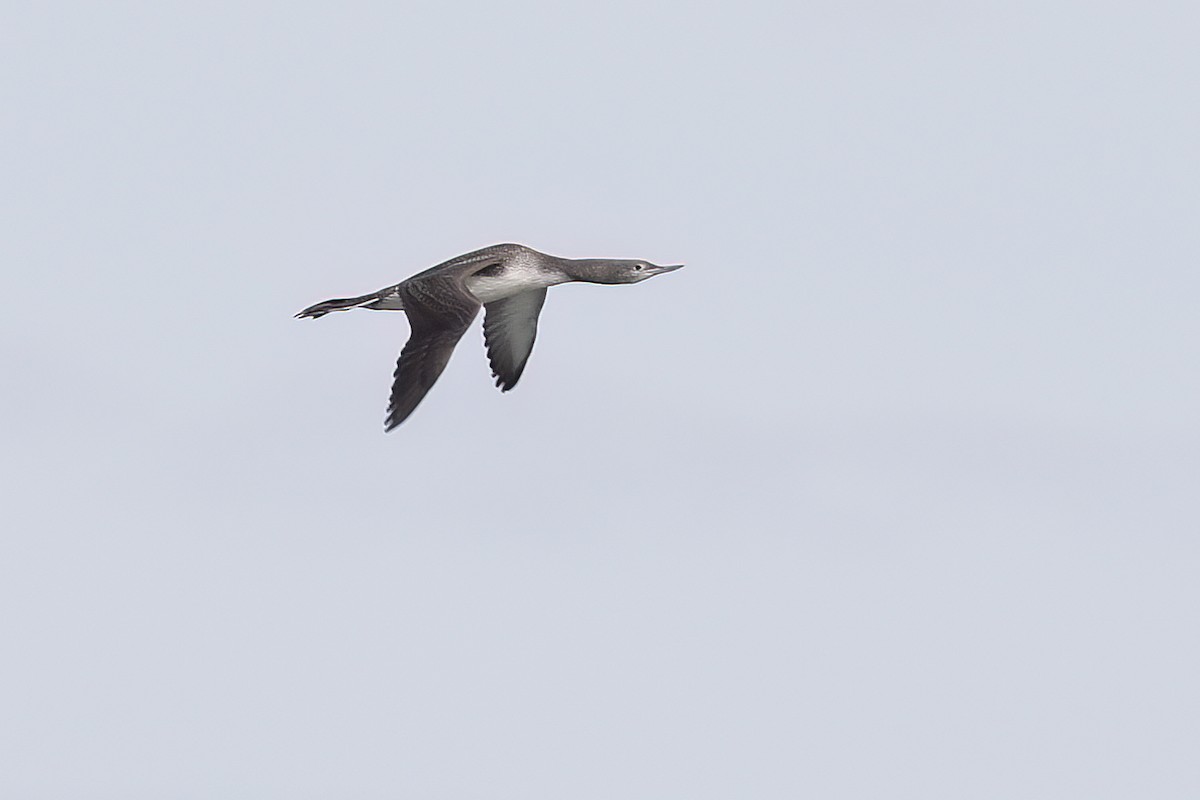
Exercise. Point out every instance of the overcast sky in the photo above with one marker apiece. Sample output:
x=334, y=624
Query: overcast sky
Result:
x=892, y=492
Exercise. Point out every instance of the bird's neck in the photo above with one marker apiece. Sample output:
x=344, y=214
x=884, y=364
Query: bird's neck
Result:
x=589, y=270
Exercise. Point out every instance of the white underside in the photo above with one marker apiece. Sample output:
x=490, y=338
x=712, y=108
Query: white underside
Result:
x=514, y=280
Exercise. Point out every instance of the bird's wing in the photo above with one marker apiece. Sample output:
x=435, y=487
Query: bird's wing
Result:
x=440, y=309
x=509, y=330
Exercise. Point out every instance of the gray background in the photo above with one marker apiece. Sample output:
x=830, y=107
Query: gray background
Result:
x=891, y=493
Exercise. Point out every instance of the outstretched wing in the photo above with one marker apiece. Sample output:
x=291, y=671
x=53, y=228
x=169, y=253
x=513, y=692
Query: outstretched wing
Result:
x=509, y=330
x=440, y=310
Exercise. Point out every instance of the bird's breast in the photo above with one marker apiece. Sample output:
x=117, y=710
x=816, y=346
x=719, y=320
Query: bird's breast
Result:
x=509, y=281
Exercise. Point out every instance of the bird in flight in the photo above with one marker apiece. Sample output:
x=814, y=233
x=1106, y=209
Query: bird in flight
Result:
x=508, y=280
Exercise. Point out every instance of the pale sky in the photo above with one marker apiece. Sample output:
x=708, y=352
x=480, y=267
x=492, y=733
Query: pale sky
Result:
x=891, y=493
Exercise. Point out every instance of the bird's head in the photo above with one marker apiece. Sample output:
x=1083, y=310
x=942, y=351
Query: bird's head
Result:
x=621, y=271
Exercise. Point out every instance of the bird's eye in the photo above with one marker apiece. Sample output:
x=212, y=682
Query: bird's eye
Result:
x=637, y=266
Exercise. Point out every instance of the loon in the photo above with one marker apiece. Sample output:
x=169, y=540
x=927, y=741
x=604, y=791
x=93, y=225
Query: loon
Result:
x=508, y=280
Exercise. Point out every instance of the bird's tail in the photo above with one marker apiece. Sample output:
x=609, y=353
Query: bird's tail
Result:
x=377, y=301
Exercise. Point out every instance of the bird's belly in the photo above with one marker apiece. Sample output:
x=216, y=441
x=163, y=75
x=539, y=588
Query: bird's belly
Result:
x=489, y=288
